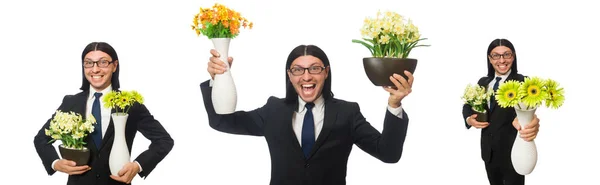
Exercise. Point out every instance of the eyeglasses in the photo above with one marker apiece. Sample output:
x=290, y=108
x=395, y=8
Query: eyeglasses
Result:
x=297, y=71
x=101, y=63
x=496, y=56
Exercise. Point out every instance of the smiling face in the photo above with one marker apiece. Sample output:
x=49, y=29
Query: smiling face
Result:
x=307, y=74
x=501, y=59
x=99, y=77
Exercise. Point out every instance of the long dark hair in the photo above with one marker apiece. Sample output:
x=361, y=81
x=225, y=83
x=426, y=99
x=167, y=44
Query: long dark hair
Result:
x=494, y=44
x=106, y=48
x=291, y=96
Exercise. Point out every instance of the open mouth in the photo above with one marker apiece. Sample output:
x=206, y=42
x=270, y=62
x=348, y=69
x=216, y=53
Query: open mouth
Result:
x=502, y=67
x=308, y=88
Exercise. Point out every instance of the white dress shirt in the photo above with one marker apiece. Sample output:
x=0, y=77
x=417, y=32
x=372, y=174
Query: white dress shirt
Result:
x=318, y=115
x=104, y=112
x=491, y=84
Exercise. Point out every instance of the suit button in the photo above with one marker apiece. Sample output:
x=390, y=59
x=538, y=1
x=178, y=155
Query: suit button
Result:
x=97, y=176
x=306, y=165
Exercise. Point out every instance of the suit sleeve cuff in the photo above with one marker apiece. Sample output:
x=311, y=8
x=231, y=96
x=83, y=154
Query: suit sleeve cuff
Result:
x=138, y=166
x=395, y=111
x=53, y=164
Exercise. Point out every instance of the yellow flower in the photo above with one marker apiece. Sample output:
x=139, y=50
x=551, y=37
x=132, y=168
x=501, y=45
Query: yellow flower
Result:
x=389, y=28
x=69, y=127
x=507, y=94
x=532, y=92
x=556, y=96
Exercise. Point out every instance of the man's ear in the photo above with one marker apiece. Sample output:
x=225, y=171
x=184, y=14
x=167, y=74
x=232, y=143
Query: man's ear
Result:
x=116, y=65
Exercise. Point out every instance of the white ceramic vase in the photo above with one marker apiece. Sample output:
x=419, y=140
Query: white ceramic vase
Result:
x=224, y=93
x=524, y=153
x=119, y=153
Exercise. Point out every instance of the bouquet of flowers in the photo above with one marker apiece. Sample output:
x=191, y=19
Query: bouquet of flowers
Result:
x=530, y=94
x=219, y=22
x=389, y=35
x=122, y=101
x=477, y=97
x=71, y=129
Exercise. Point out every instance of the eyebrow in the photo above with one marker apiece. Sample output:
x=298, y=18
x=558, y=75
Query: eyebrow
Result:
x=105, y=58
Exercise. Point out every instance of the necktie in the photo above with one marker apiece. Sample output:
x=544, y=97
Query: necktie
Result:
x=493, y=99
x=97, y=134
x=308, y=130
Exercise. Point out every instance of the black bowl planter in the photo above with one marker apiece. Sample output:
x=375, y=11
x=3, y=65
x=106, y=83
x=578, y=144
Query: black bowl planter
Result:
x=379, y=70
x=481, y=116
x=81, y=157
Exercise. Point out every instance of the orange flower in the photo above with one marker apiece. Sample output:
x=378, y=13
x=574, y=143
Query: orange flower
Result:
x=219, y=17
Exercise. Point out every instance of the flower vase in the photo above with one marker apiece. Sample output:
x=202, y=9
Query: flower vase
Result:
x=524, y=153
x=119, y=153
x=224, y=94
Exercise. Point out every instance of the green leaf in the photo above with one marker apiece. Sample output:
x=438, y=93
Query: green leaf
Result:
x=370, y=47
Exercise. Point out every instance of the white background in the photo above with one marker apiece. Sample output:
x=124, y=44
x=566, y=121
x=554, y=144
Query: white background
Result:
x=160, y=56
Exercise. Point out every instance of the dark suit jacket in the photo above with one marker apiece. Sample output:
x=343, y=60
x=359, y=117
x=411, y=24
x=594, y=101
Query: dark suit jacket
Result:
x=500, y=135
x=343, y=126
x=139, y=119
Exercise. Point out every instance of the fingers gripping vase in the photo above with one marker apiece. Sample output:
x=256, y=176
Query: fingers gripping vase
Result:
x=524, y=153
x=224, y=93
x=119, y=153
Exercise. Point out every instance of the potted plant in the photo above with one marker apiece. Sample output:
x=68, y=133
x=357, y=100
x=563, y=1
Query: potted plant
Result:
x=390, y=39
x=71, y=130
x=121, y=101
x=477, y=97
x=526, y=97
x=221, y=24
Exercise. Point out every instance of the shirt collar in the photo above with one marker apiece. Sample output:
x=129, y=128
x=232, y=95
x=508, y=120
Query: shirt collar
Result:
x=319, y=102
x=503, y=77
x=104, y=91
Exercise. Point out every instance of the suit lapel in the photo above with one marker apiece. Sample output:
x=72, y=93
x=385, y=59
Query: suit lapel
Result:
x=288, y=130
x=331, y=111
x=80, y=107
x=110, y=131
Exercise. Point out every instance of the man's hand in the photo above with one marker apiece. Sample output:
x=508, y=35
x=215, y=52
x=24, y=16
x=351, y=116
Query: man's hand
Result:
x=127, y=173
x=530, y=131
x=68, y=167
x=215, y=65
x=403, y=88
x=474, y=123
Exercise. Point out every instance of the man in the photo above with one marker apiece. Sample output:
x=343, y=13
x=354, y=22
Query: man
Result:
x=497, y=135
x=310, y=133
x=101, y=75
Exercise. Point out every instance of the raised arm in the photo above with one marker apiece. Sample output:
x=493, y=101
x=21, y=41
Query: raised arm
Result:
x=386, y=146
x=239, y=122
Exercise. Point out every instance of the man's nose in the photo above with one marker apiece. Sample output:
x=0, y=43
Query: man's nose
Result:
x=306, y=76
